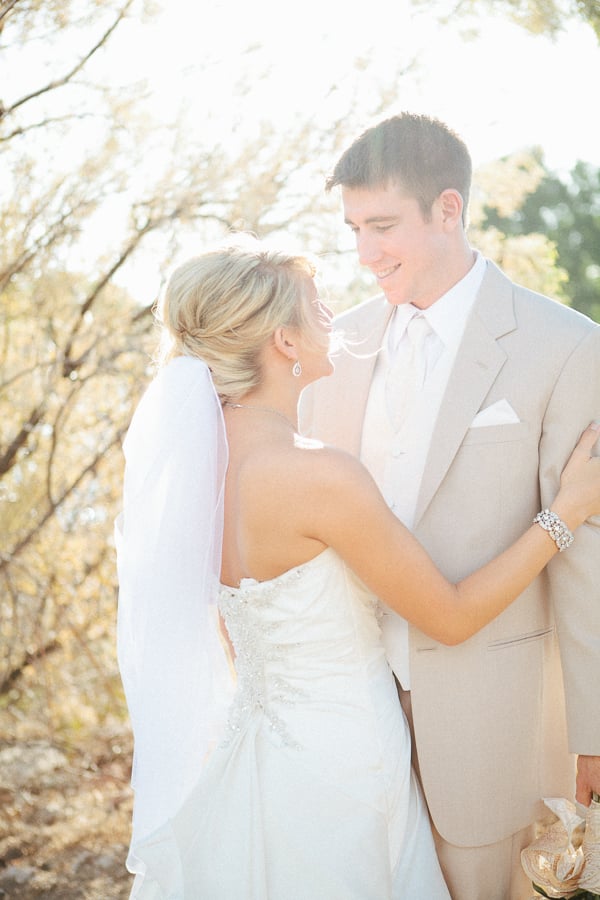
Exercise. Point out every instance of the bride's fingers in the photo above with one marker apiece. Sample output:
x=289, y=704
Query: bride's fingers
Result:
x=587, y=440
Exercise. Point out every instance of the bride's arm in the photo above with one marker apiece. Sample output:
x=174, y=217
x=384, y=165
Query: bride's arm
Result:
x=349, y=514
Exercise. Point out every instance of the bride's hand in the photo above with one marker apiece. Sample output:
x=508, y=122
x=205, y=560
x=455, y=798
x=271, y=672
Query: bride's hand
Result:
x=579, y=494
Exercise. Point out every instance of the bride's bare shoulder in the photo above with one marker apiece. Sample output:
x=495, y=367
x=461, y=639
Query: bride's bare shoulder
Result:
x=323, y=464
x=302, y=470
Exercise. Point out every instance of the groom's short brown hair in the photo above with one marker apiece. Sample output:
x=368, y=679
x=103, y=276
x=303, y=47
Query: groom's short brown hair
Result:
x=419, y=153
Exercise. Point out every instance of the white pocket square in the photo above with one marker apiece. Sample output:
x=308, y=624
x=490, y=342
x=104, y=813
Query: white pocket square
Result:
x=500, y=413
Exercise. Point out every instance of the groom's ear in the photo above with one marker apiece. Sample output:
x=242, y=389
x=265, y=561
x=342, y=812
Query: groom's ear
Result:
x=450, y=208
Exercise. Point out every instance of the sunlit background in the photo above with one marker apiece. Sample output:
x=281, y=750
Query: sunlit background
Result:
x=216, y=76
x=501, y=86
x=224, y=69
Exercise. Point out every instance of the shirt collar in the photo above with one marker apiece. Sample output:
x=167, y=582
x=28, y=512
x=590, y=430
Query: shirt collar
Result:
x=448, y=315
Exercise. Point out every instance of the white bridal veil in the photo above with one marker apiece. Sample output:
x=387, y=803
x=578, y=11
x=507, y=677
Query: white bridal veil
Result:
x=174, y=670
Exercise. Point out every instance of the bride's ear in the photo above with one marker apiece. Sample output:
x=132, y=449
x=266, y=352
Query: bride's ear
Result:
x=285, y=342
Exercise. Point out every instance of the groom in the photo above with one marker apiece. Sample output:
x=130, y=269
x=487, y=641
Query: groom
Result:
x=466, y=427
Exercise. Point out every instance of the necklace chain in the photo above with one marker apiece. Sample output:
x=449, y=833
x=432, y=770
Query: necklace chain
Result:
x=267, y=409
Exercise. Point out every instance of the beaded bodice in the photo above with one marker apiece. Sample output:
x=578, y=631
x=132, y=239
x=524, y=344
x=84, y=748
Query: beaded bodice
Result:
x=291, y=635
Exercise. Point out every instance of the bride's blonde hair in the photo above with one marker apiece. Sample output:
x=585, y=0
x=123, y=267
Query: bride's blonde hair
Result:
x=223, y=306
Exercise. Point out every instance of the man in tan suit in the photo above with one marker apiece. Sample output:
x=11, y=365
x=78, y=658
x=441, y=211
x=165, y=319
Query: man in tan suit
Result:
x=502, y=383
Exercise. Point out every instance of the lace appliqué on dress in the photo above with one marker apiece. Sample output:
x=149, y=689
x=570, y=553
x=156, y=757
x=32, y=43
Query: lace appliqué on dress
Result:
x=379, y=608
x=256, y=650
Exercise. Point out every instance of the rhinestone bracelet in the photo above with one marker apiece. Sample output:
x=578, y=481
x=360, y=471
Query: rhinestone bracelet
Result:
x=555, y=527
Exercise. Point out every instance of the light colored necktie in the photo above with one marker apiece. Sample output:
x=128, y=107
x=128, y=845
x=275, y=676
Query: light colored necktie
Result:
x=407, y=372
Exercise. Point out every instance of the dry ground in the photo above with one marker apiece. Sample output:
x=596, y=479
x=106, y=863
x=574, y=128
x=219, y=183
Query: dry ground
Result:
x=64, y=821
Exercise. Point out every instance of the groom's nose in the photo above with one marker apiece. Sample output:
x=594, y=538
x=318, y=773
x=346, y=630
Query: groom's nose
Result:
x=367, y=247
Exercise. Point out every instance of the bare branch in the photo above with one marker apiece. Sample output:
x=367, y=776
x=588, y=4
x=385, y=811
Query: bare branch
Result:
x=51, y=120
x=62, y=412
x=152, y=224
x=85, y=646
x=6, y=7
x=65, y=224
x=7, y=558
x=30, y=657
x=65, y=79
x=70, y=365
x=7, y=460
x=24, y=373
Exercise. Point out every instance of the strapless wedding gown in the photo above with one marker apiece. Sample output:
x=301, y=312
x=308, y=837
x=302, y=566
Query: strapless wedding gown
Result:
x=310, y=795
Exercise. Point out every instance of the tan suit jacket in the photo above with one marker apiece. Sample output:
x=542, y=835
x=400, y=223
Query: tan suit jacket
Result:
x=489, y=716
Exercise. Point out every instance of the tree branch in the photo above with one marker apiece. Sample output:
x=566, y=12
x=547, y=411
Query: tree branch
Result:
x=149, y=225
x=24, y=373
x=66, y=223
x=8, y=557
x=30, y=657
x=7, y=459
x=51, y=120
x=6, y=7
x=65, y=79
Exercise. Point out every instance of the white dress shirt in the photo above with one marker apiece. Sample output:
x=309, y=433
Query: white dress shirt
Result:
x=396, y=460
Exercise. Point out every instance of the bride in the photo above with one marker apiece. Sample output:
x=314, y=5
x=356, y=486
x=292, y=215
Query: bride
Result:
x=272, y=758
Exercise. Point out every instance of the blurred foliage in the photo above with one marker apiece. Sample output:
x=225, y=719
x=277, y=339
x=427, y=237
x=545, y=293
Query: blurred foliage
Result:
x=530, y=257
x=567, y=213
x=89, y=184
x=539, y=16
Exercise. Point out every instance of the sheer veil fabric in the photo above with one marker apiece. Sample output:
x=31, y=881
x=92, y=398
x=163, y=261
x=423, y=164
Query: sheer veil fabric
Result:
x=173, y=666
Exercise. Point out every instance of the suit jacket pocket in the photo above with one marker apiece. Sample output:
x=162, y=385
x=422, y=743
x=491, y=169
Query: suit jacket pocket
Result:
x=496, y=434
x=517, y=640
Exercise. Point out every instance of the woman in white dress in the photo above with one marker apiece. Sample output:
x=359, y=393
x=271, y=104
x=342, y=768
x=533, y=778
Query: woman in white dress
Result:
x=242, y=546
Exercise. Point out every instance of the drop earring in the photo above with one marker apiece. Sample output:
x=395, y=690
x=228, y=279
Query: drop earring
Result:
x=296, y=369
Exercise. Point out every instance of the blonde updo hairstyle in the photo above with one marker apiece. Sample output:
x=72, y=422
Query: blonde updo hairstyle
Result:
x=224, y=305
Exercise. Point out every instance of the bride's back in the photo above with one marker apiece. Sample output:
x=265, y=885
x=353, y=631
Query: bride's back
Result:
x=268, y=495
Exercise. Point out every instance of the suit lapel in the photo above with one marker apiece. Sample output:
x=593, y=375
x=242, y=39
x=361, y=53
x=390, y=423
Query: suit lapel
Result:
x=478, y=362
